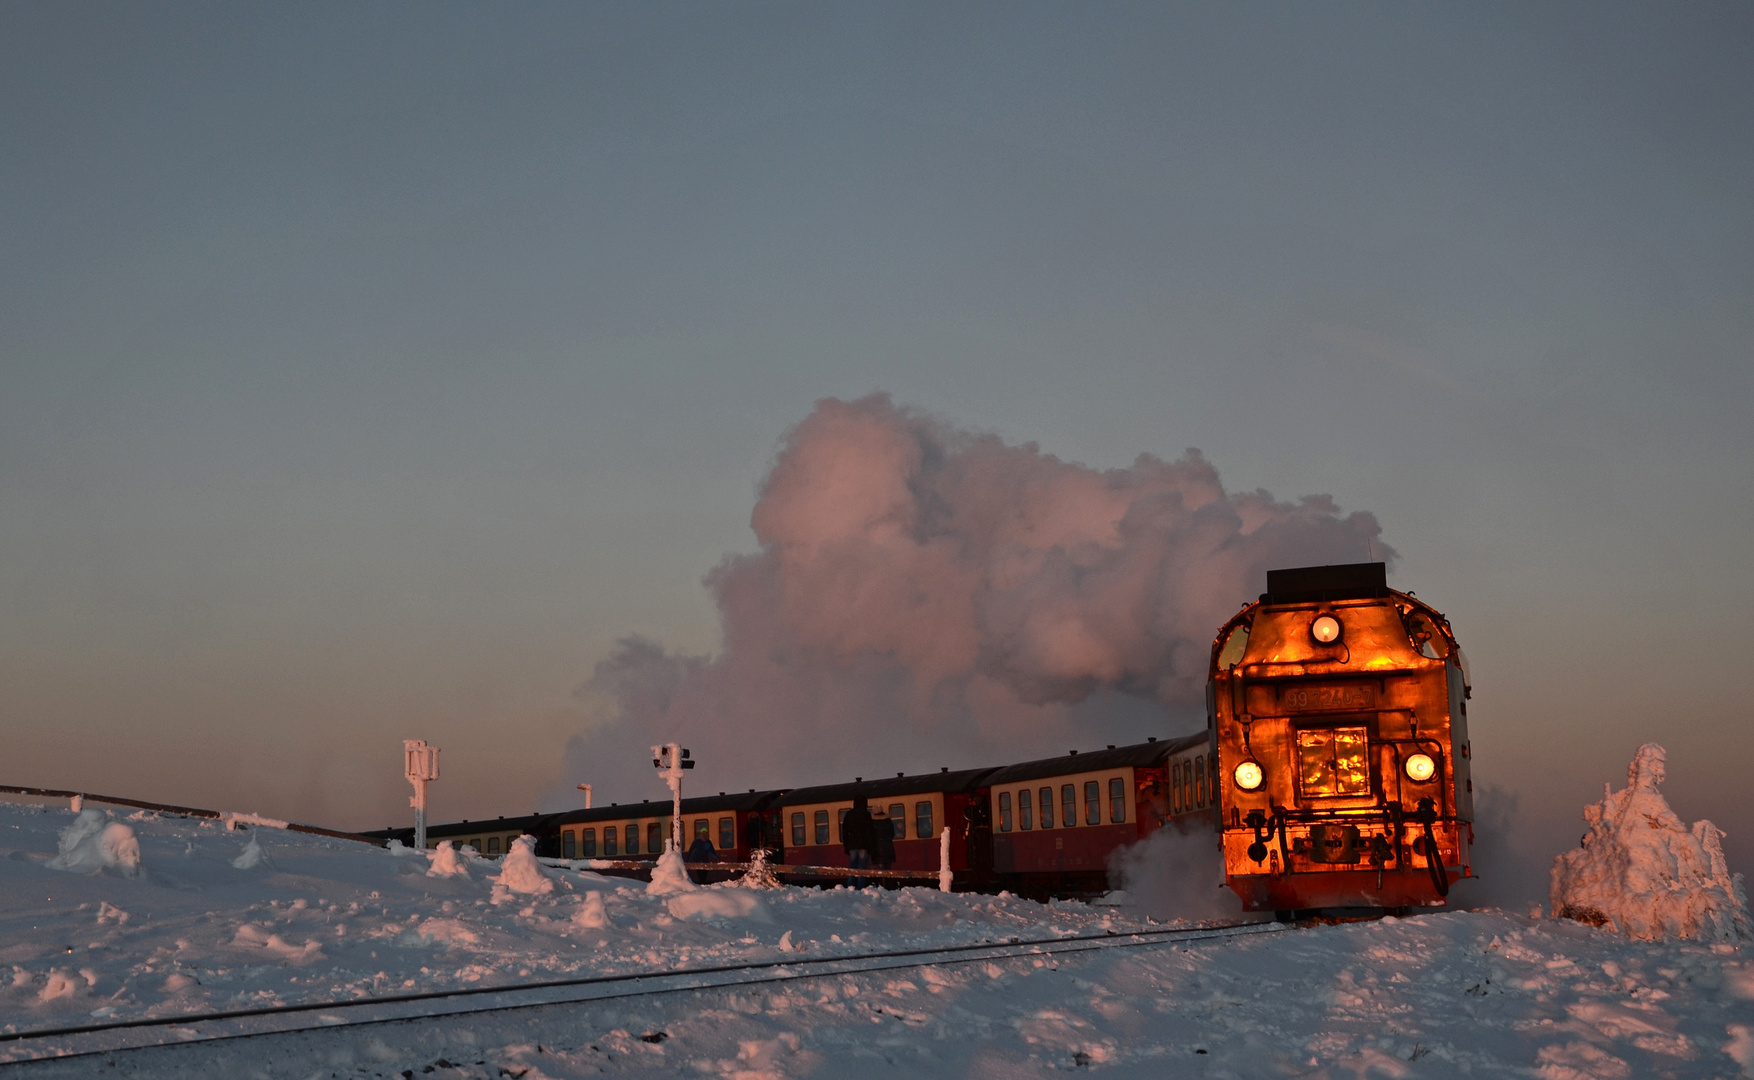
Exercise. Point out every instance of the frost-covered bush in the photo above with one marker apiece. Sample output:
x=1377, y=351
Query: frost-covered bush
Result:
x=1641, y=872
x=446, y=862
x=521, y=873
x=93, y=843
x=670, y=875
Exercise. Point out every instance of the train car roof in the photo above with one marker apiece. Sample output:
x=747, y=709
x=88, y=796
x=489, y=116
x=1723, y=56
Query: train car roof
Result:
x=1137, y=755
x=529, y=823
x=702, y=804
x=884, y=787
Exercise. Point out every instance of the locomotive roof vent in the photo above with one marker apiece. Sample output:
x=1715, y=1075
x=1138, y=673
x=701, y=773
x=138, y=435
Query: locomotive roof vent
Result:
x=1314, y=584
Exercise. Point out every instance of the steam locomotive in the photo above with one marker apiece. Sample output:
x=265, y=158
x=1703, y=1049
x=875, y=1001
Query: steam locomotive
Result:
x=1339, y=708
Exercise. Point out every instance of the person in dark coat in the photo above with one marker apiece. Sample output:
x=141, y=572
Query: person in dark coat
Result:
x=701, y=850
x=858, y=838
x=883, y=855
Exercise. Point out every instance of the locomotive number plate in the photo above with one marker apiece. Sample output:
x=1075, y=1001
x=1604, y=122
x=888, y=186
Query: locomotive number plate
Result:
x=1327, y=698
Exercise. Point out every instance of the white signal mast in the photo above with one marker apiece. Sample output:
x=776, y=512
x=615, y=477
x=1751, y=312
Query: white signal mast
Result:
x=670, y=759
x=586, y=788
x=420, y=765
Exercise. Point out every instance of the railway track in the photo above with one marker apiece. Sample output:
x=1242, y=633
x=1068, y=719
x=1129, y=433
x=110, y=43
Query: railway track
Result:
x=60, y=1044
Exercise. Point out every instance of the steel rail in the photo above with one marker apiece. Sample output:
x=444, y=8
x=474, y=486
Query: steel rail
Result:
x=770, y=971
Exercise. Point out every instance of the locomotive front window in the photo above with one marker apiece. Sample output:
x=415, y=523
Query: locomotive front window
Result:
x=1025, y=812
x=923, y=820
x=588, y=844
x=1117, y=799
x=1047, y=807
x=822, y=826
x=1333, y=762
x=1234, y=646
x=1004, y=811
x=798, y=829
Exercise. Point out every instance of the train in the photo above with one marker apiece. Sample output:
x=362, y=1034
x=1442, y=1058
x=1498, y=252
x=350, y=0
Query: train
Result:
x=1334, y=773
x=1044, y=828
x=1338, y=708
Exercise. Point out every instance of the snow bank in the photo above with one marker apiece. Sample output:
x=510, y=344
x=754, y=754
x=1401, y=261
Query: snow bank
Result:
x=446, y=862
x=521, y=873
x=722, y=903
x=670, y=875
x=1641, y=872
x=93, y=844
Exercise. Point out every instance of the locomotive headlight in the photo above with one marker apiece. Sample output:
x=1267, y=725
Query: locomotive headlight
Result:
x=1421, y=768
x=1326, y=629
x=1248, y=775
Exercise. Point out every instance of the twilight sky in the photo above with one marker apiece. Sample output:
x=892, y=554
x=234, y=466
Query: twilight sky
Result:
x=368, y=372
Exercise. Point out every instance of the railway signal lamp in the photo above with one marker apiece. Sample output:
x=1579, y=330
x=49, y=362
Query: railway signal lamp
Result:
x=670, y=759
x=420, y=765
x=1421, y=768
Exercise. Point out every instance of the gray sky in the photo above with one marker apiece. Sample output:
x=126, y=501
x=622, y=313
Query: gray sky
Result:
x=366, y=371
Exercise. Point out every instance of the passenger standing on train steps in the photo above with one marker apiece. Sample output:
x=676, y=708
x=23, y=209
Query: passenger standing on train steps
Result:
x=858, y=838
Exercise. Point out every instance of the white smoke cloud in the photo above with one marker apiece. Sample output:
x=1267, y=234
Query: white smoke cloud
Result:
x=924, y=595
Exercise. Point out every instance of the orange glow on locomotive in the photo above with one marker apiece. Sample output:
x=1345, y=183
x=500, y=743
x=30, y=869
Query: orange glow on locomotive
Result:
x=1338, y=713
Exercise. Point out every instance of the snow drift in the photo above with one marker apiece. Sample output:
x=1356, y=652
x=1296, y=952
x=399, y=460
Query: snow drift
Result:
x=447, y=862
x=93, y=843
x=1641, y=872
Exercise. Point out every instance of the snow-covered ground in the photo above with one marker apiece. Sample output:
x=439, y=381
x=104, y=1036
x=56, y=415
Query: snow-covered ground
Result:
x=210, y=924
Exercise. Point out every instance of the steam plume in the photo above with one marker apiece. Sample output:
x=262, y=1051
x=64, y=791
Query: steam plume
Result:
x=924, y=595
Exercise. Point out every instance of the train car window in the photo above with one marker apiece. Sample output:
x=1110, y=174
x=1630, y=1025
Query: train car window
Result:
x=798, y=829
x=654, y=837
x=1025, y=812
x=1092, y=803
x=1004, y=811
x=610, y=841
x=509, y=841
x=1117, y=799
x=1333, y=762
x=1047, y=807
x=1068, y=805
x=923, y=820
x=727, y=834
x=898, y=820
x=840, y=823
x=702, y=829
x=1175, y=787
x=1234, y=646
x=632, y=846
x=567, y=848
x=1200, y=781
x=588, y=844
x=822, y=826
x=493, y=845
